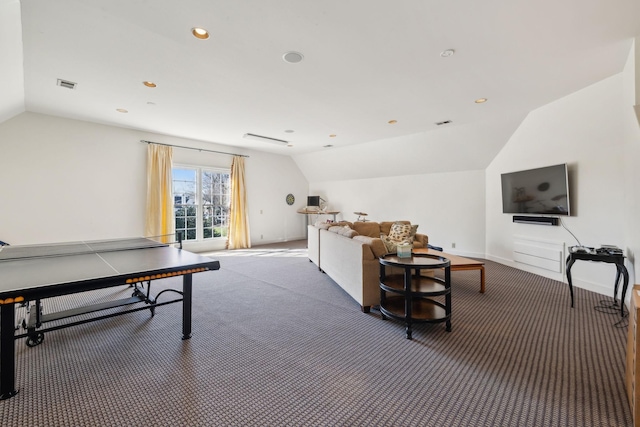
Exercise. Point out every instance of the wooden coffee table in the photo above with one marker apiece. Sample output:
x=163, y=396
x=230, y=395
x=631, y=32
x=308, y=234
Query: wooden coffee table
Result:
x=458, y=263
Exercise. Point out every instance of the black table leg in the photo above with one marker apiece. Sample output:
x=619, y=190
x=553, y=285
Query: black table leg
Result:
x=7, y=351
x=615, y=288
x=186, y=306
x=570, y=262
x=408, y=302
x=447, y=281
x=625, y=276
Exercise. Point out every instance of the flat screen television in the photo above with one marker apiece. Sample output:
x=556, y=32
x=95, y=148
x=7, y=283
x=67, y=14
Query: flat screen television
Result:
x=541, y=191
x=313, y=200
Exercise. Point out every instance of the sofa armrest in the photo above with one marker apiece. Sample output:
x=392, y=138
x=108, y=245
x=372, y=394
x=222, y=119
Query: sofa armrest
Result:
x=422, y=240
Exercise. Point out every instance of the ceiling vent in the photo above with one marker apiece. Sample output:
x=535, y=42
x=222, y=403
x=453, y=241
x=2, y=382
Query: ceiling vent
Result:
x=67, y=84
x=444, y=122
x=264, y=139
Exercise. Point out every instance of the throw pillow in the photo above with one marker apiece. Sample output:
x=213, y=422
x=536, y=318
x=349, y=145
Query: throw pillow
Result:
x=392, y=244
x=412, y=234
x=400, y=231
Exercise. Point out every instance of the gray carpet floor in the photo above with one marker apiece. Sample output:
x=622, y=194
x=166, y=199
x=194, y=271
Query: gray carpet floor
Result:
x=278, y=343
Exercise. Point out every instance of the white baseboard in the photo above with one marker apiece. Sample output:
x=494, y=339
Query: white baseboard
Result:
x=271, y=241
x=577, y=282
x=464, y=254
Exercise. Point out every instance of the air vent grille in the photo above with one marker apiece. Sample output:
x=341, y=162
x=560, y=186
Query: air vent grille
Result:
x=255, y=137
x=67, y=84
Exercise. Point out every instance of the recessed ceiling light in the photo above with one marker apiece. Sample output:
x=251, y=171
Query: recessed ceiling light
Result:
x=200, y=33
x=149, y=84
x=447, y=53
x=151, y=103
x=480, y=100
x=121, y=110
x=328, y=146
x=289, y=131
x=293, y=57
x=392, y=122
x=333, y=135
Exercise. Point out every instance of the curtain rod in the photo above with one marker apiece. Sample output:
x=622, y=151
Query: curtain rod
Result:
x=192, y=148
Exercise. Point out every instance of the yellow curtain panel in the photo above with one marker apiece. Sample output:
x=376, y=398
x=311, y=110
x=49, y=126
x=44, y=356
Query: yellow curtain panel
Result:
x=159, y=216
x=238, y=237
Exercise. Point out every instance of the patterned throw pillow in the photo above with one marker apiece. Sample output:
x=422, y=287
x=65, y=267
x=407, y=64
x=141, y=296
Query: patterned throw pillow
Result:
x=391, y=244
x=401, y=232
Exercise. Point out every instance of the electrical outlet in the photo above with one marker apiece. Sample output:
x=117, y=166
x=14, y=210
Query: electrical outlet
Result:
x=261, y=236
x=260, y=211
x=453, y=245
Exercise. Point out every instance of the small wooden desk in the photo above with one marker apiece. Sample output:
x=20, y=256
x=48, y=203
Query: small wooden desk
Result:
x=458, y=263
x=310, y=212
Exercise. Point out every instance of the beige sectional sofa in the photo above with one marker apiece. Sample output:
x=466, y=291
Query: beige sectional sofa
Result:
x=348, y=253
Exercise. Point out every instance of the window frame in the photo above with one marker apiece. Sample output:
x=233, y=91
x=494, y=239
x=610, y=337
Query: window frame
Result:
x=200, y=203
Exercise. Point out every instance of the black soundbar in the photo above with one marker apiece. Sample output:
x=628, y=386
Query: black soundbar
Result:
x=542, y=220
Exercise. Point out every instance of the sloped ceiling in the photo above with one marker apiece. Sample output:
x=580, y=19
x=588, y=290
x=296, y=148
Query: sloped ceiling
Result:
x=458, y=148
x=365, y=63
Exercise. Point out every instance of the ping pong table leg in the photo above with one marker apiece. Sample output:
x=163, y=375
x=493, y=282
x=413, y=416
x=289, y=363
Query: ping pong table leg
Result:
x=186, y=306
x=7, y=351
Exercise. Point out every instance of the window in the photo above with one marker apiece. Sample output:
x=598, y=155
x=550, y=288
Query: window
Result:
x=201, y=202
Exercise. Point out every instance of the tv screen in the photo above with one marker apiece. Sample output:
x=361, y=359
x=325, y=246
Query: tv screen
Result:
x=536, y=191
x=313, y=201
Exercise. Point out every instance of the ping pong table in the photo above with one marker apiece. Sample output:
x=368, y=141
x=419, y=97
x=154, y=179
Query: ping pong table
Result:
x=31, y=273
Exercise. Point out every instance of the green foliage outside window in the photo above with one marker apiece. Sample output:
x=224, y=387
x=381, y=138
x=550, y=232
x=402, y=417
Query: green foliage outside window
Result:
x=210, y=209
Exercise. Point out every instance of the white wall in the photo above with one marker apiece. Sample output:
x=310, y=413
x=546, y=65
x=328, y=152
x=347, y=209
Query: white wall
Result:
x=586, y=130
x=631, y=133
x=11, y=71
x=448, y=207
x=66, y=180
x=271, y=177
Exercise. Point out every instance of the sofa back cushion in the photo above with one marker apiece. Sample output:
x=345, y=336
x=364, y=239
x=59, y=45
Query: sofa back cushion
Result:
x=385, y=226
x=345, y=231
x=376, y=245
x=367, y=228
x=324, y=225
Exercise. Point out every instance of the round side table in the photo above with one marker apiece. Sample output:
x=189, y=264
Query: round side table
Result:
x=410, y=297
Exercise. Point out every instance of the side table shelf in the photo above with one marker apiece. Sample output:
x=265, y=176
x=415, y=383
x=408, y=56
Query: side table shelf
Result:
x=410, y=297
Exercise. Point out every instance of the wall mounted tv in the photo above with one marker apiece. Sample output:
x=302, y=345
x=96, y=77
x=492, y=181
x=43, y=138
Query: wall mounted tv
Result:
x=541, y=191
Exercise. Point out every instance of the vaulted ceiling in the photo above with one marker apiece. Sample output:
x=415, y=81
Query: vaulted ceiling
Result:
x=365, y=63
